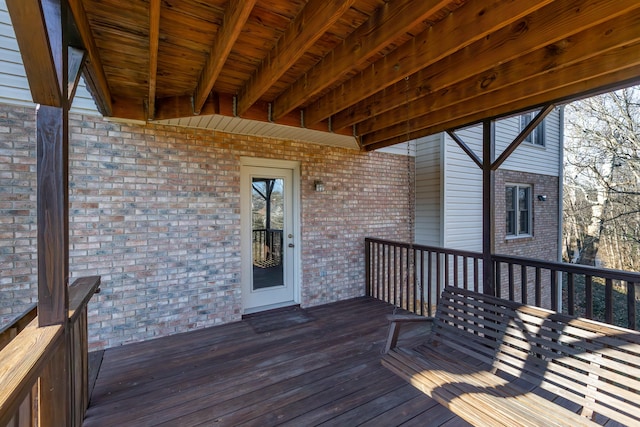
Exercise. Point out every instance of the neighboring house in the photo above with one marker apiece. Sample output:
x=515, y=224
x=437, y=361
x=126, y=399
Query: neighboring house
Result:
x=527, y=211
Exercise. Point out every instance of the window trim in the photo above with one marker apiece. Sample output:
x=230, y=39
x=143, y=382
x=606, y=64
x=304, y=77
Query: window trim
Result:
x=518, y=234
x=537, y=137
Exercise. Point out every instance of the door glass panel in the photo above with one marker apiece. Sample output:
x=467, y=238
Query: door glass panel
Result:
x=267, y=223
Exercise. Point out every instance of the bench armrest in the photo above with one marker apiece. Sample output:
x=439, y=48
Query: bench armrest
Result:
x=395, y=321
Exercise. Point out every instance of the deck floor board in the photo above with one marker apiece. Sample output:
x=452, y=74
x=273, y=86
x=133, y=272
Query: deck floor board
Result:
x=318, y=366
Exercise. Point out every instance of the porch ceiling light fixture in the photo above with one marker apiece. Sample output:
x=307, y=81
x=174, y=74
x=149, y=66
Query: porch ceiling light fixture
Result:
x=319, y=185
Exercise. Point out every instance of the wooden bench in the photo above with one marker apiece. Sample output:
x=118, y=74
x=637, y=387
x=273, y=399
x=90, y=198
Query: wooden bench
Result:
x=496, y=362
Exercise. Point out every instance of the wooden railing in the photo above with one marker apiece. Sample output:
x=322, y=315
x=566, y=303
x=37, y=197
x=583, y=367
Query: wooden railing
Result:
x=412, y=277
x=44, y=370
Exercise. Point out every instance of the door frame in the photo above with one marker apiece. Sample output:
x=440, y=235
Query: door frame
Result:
x=245, y=225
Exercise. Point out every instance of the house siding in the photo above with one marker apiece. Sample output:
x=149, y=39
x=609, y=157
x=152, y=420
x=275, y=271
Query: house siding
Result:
x=429, y=190
x=463, y=193
x=14, y=86
x=529, y=157
x=155, y=211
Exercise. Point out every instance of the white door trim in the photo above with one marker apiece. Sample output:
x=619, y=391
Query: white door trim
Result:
x=294, y=166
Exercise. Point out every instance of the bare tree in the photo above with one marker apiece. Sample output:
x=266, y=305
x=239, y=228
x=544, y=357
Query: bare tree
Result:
x=602, y=174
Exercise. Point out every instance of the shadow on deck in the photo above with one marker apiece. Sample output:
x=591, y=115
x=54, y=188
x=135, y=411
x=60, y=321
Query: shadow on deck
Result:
x=288, y=367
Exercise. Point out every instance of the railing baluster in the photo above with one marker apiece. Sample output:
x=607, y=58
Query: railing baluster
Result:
x=571, y=294
x=430, y=279
x=476, y=276
x=422, y=282
x=367, y=268
x=631, y=306
x=608, y=301
x=455, y=271
x=538, y=286
x=498, y=280
x=554, y=289
x=438, y=277
x=524, y=292
x=512, y=294
x=465, y=271
x=446, y=270
x=588, y=292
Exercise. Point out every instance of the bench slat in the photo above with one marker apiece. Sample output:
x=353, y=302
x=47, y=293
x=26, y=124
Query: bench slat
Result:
x=593, y=365
x=508, y=404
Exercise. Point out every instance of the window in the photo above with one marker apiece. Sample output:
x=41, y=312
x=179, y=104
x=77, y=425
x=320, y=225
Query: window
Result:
x=536, y=137
x=518, y=205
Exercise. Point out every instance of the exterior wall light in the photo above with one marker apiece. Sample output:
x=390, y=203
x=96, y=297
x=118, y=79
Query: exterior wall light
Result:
x=542, y=197
x=319, y=185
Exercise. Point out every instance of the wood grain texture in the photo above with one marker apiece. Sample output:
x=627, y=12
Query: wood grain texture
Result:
x=520, y=360
x=325, y=370
x=21, y=362
x=52, y=214
x=332, y=65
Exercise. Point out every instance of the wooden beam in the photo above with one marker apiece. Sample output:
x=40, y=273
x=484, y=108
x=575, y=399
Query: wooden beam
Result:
x=570, y=42
x=522, y=136
x=94, y=74
x=463, y=145
x=462, y=27
x=462, y=116
x=542, y=67
x=154, y=41
x=310, y=24
x=235, y=17
x=33, y=23
x=391, y=20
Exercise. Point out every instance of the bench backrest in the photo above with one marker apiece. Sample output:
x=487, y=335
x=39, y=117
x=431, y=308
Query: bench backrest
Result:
x=590, y=363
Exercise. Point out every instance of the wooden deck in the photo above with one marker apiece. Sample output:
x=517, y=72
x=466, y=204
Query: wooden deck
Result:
x=289, y=367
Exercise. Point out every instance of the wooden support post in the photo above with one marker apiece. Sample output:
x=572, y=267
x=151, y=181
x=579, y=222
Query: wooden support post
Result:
x=53, y=215
x=488, y=201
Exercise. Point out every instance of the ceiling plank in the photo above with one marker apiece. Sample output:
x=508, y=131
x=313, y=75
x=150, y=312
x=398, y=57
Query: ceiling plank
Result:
x=462, y=27
x=605, y=36
x=43, y=71
x=612, y=69
x=234, y=19
x=390, y=21
x=93, y=72
x=154, y=41
x=310, y=24
x=559, y=19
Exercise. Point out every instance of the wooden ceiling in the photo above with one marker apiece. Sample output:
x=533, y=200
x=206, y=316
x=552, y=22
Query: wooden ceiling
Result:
x=384, y=71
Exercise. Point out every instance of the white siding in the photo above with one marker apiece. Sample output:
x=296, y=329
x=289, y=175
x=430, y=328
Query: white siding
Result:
x=14, y=87
x=429, y=191
x=462, y=219
x=528, y=157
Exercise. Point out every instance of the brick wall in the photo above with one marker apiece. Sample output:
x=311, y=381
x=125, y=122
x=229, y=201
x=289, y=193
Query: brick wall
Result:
x=155, y=211
x=18, y=262
x=543, y=244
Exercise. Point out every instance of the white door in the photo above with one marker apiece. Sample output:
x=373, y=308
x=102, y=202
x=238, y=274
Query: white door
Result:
x=268, y=238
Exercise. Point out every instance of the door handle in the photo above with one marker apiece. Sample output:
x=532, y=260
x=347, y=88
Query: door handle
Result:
x=290, y=245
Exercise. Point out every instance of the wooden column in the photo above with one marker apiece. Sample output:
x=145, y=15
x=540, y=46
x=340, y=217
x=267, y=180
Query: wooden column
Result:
x=53, y=215
x=488, y=202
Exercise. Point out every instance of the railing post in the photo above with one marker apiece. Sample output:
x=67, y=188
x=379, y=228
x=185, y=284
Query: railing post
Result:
x=488, y=198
